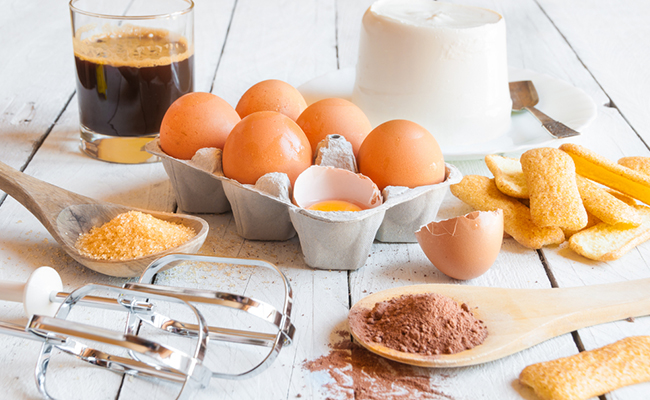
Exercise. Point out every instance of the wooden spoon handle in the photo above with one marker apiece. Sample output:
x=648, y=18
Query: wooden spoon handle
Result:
x=42, y=199
x=566, y=310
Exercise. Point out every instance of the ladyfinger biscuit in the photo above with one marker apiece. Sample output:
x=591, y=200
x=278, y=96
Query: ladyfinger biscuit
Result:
x=591, y=373
x=591, y=221
x=622, y=197
x=554, y=196
x=508, y=175
x=604, y=206
x=639, y=164
x=604, y=242
x=481, y=193
x=599, y=169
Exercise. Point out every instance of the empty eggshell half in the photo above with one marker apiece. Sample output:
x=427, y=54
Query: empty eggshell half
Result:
x=464, y=247
x=318, y=183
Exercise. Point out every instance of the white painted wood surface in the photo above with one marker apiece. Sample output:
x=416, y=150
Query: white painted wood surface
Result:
x=598, y=46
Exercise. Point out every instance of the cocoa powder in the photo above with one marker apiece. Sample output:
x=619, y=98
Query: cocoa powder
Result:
x=427, y=324
x=359, y=374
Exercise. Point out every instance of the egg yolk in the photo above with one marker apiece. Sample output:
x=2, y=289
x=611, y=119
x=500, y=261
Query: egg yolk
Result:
x=334, y=205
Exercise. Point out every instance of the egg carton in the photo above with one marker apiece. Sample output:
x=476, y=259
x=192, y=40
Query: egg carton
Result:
x=264, y=211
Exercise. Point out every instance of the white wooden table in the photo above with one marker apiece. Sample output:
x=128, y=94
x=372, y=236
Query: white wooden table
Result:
x=601, y=47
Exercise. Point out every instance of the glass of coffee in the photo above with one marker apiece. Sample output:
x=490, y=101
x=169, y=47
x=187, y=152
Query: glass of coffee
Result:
x=133, y=59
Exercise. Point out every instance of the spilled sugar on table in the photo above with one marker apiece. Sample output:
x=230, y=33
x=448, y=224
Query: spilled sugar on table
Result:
x=239, y=43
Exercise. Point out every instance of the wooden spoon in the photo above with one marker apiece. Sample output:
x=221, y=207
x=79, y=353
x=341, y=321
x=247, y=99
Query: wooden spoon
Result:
x=66, y=215
x=516, y=319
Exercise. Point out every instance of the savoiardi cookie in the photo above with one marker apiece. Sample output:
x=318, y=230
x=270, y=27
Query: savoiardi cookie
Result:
x=591, y=373
x=482, y=194
x=554, y=196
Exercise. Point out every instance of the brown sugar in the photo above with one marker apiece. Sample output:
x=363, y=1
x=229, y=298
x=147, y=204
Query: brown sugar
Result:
x=131, y=235
x=427, y=324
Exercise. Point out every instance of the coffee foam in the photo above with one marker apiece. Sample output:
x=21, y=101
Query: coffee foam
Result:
x=132, y=46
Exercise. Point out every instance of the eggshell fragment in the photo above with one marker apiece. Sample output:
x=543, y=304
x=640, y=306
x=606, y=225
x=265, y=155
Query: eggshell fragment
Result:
x=336, y=151
x=464, y=247
x=318, y=183
x=208, y=159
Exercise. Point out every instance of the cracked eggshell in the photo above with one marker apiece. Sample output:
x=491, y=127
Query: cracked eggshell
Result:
x=409, y=209
x=464, y=247
x=335, y=151
x=338, y=240
x=318, y=183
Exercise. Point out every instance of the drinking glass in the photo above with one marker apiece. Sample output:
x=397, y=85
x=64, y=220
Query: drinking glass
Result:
x=133, y=58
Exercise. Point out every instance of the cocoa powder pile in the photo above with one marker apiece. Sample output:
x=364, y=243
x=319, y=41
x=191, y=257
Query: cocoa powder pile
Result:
x=359, y=374
x=427, y=324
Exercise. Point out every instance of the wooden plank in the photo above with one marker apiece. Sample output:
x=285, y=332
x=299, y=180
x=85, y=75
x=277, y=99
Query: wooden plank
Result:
x=211, y=22
x=29, y=246
x=297, y=42
x=401, y=264
x=293, y=42
x=394, y=265
x=348, y=17
x=539, y=46
x=614, y=56
x=290, y=41
x=26, y=245
x=36, y=75
x=613, y=46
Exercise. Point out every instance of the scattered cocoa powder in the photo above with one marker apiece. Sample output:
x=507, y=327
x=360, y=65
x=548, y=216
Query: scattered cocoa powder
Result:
x=361, y=375
x=427, y=324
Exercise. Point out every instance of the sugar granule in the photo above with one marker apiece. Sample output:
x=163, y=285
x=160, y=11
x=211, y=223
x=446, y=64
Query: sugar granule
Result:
x=131, y=235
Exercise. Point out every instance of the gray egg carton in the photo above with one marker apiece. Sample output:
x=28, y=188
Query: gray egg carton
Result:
x=264, y=211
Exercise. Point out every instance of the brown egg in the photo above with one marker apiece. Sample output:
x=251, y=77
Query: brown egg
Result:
x=334, y=116
x=401, y=153
x=194, y=121
x=464, y=247
x=264, y=142
x=272, y=95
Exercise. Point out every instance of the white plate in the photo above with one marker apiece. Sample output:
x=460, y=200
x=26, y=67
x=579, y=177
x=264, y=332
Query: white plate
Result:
x=558, y=99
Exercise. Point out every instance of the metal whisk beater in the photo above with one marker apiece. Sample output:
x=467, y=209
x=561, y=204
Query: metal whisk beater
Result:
x=145, y=305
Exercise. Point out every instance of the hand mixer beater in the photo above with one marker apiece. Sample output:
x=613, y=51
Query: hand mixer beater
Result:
x=166, y=341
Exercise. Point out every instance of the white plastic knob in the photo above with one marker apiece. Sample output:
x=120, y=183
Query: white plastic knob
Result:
x=37, y=293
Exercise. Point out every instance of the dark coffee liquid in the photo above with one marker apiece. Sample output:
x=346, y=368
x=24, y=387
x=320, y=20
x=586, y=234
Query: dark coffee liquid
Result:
x=126, y=82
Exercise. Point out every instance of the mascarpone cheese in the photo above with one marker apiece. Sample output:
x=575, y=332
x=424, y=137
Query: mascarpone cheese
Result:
x=441, y=65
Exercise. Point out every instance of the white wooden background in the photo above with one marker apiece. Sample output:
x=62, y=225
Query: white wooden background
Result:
x=599, y=46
